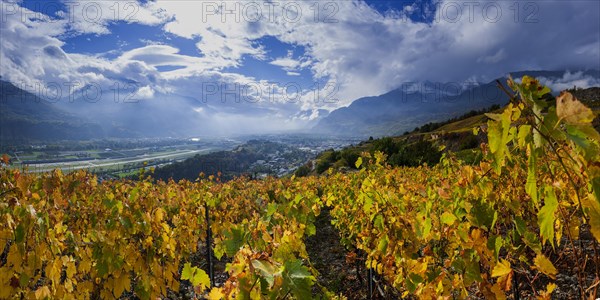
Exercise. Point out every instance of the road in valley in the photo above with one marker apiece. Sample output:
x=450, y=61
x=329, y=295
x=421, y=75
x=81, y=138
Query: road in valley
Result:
x=111, y=162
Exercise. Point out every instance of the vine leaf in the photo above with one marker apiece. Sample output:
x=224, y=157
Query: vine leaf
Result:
x=196, y=276
x=235, y=239
x=358, y=162
x=502, y=268
x=298, y=279
x=266, y=269
x=544, y=265
x=216, y=294
x=531, y=184
x=546, y=216
x=547, y=294
x=593, y=211
x=448, y=218
x=572, y=111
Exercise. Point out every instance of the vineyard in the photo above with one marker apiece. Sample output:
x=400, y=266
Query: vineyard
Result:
x=515, y=225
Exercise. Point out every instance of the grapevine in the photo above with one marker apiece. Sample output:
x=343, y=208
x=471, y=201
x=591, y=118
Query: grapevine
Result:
x=451, y=230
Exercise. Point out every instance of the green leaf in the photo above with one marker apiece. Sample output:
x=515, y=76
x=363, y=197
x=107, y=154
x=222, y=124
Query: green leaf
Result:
x=368, y=203
x=423, y=228
x=494, y=219
x=102, y=267
x=234, y=240
x=472, y=270
x=551, y=126
x=586, y=139
x=378, y=222
x=500, y=133
x=596, y=188
x=448, y=218
x=495, y=243
x=544, y=265
x=19, y=233
x=520, y=225
x=524, y=133
x=297, y=279
x=311, y=229
x=383, y=243
x=546, y=216
x=266, y=269
x=531, y=184
x=482, y=214
x=532, y=241
x=529, y=238
x=412, y=281
x=23, y=279
x=271, y=208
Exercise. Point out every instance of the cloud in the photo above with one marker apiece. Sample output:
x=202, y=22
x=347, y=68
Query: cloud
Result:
x=366, y=52
x=355, y=51
x=492, y=59
x=145, y=92
x=94, y=17
x=287, y=63
x=290, y=64
x=570, y=80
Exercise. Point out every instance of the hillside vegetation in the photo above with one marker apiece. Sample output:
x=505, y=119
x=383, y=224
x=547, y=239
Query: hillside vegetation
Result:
x=524, y=221
x=426, y=143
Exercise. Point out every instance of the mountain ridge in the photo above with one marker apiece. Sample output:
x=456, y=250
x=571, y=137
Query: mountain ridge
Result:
x=403, y=109
x=26, y=117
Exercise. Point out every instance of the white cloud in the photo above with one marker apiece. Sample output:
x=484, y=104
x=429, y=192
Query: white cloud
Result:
x=95, y=16
x=363, y=53
x=570, y=80
x=145, y=92
x=290, y=64
x=287, y=63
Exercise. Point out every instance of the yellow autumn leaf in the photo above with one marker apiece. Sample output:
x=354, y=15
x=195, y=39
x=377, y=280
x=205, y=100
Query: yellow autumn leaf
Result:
x=158, y=215
x=572, y=111
x=547, y=294
x=544, y=265
x=71, y=269
x=592, y=209
x=502, y=268
x=121, y=284
x=43, y=293
x=216, y=294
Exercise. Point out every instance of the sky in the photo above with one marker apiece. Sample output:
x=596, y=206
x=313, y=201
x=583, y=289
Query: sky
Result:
x=279, y=65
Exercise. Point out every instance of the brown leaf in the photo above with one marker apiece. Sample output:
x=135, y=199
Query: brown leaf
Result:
x=572, y=111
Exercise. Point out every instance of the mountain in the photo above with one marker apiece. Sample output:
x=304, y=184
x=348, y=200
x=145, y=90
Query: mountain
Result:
x=25, y=117
x=165, y=115
x=415, y=104
x=424, y=145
